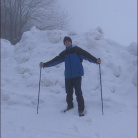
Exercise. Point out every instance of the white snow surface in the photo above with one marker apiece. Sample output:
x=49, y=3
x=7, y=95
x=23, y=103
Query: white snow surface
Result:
x=20, y=75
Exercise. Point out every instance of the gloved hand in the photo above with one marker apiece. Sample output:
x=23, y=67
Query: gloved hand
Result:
x=98, y=61
x=41, y=64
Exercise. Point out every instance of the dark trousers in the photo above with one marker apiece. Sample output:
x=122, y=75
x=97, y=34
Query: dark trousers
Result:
x=70, y=84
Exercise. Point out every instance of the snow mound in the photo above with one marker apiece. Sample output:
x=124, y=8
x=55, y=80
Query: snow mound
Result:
x=6, y=49
x=54, y=36
x=132, y=48
x=94, y=35
x=20, y=87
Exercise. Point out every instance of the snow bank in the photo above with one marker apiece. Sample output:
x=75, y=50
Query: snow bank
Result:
x=20, y=77
x=7, y=49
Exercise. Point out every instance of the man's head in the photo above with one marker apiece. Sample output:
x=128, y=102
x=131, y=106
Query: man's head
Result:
x=67, y=41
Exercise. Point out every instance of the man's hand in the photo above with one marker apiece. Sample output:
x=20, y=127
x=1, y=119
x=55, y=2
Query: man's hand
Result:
x=41, y=65
x=98, y=61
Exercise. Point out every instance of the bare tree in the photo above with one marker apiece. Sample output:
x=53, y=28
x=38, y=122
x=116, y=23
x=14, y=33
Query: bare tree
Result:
x=18, y=16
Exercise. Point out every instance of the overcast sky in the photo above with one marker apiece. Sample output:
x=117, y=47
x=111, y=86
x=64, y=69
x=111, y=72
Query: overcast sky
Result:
x=117, y=18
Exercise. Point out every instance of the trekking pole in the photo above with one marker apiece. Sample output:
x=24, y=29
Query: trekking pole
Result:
x=39, y=90
x=101, y=88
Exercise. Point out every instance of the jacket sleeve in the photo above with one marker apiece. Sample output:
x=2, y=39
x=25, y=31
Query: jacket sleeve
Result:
x=86, y=55
x=57, y=60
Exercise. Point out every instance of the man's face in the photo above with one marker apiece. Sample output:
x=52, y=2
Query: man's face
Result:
x=67, y=43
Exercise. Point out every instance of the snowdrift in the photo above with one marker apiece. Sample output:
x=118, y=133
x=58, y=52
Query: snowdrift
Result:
x=20, y=76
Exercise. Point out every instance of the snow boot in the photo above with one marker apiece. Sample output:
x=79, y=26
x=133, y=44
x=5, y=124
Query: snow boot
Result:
x=69, y=108
x=81, y=113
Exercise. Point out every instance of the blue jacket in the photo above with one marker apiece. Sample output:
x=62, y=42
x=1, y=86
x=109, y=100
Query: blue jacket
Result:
x=73, y=57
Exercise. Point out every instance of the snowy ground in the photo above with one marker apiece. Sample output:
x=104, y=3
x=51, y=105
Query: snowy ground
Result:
x=20, y=81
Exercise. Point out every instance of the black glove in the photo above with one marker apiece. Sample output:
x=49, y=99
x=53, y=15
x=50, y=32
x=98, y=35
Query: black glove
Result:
x=98, y=61
x=41, y=64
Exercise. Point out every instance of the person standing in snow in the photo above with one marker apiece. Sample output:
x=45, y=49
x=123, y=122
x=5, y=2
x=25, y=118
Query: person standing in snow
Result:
x=73, y=57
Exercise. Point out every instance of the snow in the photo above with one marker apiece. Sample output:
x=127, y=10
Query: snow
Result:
x=20, y=84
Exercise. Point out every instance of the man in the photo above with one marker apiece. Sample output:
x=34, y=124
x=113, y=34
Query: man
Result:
x=73, y=57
